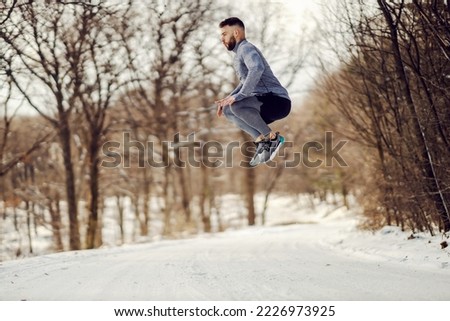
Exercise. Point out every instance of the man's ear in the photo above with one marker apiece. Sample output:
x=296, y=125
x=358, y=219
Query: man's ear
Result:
x=237, y=33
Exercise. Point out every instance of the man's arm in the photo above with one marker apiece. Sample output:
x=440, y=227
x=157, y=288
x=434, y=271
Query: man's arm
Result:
x=255, y=66
x=236, y=90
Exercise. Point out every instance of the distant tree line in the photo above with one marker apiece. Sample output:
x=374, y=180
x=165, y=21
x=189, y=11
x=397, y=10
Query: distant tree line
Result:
x=147, y=72
x=99, y=71
x=391, y=94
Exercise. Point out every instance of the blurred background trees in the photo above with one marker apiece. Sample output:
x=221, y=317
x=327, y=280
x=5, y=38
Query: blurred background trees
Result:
x=121, y=98
x=392, y=89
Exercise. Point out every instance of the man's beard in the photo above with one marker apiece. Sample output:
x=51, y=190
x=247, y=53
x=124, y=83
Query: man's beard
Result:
x=231, y=44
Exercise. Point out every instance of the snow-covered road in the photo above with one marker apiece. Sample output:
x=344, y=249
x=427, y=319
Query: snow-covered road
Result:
x=330, y=260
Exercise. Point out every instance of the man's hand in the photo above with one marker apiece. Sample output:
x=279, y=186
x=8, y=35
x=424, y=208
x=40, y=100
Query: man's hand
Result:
x=228, y=101
x=219, y=111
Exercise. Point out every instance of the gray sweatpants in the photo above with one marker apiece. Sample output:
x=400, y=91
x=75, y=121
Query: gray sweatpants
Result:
x=246, y=114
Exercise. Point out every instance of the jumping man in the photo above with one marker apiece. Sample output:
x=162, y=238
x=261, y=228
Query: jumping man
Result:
x=259, y=99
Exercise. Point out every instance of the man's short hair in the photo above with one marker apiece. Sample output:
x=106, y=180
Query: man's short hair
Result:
x=232, y=21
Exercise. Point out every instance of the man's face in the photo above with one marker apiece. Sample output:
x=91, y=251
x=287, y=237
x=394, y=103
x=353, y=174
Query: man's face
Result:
x=227, y=37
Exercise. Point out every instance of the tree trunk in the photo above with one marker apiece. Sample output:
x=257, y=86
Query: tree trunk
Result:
x=204, y=196
x=120, y=209
x=185, y=201
x=249, y=183
x=147, y=199
x=65, y=137
x=30, y=240
x=166, y=192
x=277, y=172
x=250, y=194
x=94, y=172
x=55, y=214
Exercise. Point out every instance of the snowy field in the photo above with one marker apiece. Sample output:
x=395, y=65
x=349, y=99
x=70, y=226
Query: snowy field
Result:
x=300, y=254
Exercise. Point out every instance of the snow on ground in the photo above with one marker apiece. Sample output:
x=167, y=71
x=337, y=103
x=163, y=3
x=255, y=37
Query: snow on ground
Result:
x=300, y=254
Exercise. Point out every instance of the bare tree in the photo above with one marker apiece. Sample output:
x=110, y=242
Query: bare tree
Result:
x=98, y=74
x=61, y=59
x=6, y=10
x=392, y=17
x=37, y=30
x=391, y=90
x=164, y=85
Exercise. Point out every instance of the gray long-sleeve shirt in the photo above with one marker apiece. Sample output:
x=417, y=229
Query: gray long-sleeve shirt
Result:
x=255, y=75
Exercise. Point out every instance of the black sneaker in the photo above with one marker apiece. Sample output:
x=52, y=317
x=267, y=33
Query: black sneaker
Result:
x=267, y=150
x=256, y=158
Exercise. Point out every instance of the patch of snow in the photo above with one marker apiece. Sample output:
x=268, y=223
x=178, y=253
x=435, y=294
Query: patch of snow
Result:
x=301, y=254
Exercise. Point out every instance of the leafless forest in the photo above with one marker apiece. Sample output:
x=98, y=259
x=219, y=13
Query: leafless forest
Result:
x=121, y=118
x=391, y=95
